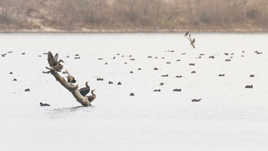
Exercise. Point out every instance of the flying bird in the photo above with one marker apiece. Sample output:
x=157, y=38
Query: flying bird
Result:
x=192, y=42
x=187, y=33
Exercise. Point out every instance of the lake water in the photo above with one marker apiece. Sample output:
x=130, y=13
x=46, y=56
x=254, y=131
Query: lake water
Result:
x=228, y=117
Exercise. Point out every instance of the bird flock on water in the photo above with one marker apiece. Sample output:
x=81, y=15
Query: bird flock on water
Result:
x=58, y=64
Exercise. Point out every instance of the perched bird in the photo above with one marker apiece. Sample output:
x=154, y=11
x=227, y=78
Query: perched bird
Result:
x=92, y=97
x=70, y=78
x=53, y=61
x=85, y=90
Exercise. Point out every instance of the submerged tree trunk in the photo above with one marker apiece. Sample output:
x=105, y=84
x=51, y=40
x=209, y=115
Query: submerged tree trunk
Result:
x=74, y=89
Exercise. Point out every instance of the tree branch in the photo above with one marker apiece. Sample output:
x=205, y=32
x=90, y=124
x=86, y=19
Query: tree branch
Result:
x=84, y=100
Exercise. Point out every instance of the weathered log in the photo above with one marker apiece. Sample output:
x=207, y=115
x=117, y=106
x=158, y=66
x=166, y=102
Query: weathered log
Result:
x=74, y=89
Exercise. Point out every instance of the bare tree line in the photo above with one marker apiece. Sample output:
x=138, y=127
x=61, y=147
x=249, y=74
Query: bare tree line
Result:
x=136, y=15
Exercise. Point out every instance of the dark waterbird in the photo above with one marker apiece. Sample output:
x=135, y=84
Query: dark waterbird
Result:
x=70, y=78
x=44, y=104
x=92, y=97
x=157, y=90
x=249, y=86
x=85, y=90
x=54, y=62
x=196, y=100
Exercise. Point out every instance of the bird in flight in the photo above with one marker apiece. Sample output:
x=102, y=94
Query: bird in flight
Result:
x=189, y=37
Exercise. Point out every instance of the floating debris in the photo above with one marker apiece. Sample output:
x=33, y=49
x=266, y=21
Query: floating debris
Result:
x=119, y=83
x=23, y=53
x=139, y=69
x=15, y=80
x=110, y=82
x=221, y=75
x=100, y=58
x=10, y=73
x=106, y=63
x=149, y=56
x=178, y=60
x=131, y=72
x=227, y=60
x=155, y=68
x=162, y=83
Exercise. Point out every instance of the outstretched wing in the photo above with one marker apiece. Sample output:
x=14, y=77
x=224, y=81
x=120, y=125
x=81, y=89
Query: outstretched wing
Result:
x=56, y=57
x=50, y=59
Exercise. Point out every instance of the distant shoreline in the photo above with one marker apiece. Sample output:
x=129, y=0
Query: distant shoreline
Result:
x=137, y=31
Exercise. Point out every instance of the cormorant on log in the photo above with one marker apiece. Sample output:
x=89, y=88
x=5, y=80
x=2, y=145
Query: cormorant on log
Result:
x=53, y=61
x=92, y=96
x=85, y=90
x=70, y=78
